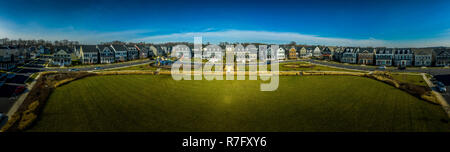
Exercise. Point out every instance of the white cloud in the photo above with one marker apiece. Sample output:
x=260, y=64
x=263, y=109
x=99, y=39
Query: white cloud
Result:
x=286, y=37
x=33, y=31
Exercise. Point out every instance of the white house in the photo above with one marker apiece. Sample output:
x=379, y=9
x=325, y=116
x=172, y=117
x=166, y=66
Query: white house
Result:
x=181, y=51
x=61, y=58
x=316, y=52
x=106, y=54
x=89, y=54
x=281, y=54
x=214, y=52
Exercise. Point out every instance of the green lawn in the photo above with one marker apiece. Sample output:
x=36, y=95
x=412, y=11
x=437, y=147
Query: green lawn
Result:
x=408, y=78
x=314, y=67
x=282, y=67
x=308, y=103
x=144, y=67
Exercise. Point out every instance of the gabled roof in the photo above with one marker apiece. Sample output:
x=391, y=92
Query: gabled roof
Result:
x=65, y=48
x=89, y=48
x=403, y=51
x=384, y=51
x=119, y=47
x=423, y=51
x=349, y=50
x=442, y=51
x=102, y=47
x=364, y=50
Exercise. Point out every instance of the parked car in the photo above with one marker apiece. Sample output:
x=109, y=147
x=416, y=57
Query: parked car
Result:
x=440, y=84
x=432, y=79
x=98, y=68
x=442, y=89
x=19, y=90
x=11, y=75
x=382, y=67
x=74, y=70
x=3, y=119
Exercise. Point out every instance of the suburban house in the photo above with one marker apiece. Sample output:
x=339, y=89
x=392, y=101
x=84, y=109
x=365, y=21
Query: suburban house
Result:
x=213, y=52
x=337, y=54
x=403, y=57
x=442, y=57
x=309, y=51
x=20, y=54
x=365, y=56
x=181, y=52
x=317, y=52
x=76, y=51
x=106, y=54
x=143, y=51
x=303, y=53
x=327, y=53
x=6, y=59
x=281, y=54
x=120, y=53
x=423, y=57
x=132, y=52
x=34, y=53
x=384, y=56
x=293, y=53
x=252, y=56
x=89, y=54
x=154, y=50
x=61, y=58
x=349, y=55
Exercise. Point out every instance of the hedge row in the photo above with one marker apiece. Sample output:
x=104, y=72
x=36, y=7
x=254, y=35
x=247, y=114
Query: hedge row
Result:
x=33, y=104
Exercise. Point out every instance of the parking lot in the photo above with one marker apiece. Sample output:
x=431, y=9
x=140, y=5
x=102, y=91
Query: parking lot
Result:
x=446, y=80
x=9, y=85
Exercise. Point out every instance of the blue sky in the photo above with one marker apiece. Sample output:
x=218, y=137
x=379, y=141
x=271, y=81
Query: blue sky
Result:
x=357, y=23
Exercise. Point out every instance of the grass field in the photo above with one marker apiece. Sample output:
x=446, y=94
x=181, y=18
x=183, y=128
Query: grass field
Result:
x=282, y=67
x=408, y=78
x=309, y=103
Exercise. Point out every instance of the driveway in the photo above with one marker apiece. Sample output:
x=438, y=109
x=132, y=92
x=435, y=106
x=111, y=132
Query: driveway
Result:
x=446, y=80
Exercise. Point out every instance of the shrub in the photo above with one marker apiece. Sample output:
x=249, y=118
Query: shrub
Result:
x=26, y=121
x=11, y=122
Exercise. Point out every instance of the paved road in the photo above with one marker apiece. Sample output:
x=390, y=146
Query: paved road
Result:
x=91, y=68
x=446, y=80
x=432, y=71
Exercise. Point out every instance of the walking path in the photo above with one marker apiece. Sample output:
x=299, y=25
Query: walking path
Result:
x=22, y=97
x=445, y=105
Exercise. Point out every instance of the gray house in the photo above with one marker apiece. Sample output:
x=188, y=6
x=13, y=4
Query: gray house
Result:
x=384, y=56
x=423, y=57
x=403, y=57
x=6, y=59
x=89, y=54
x=132, y=52
x=442, y=57
x=106, y=53
x=349, y=55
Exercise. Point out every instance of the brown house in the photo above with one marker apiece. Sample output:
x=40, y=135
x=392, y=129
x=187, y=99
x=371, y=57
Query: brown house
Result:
x=292, y=53
x=365, y=56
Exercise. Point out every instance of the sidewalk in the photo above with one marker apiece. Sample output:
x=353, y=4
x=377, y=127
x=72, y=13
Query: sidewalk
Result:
x=441, y=99
x=22, y=97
